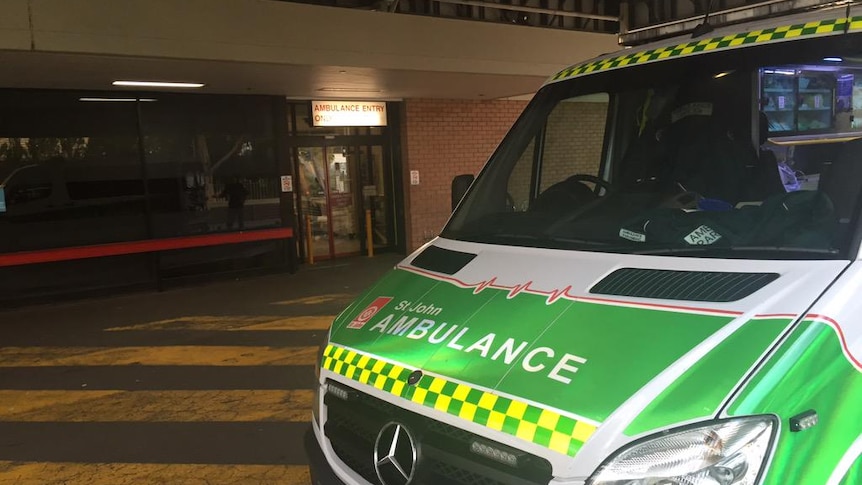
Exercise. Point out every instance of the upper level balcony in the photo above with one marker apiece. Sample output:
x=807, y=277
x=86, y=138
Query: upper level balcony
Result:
x=583, y=15
x=299, y=50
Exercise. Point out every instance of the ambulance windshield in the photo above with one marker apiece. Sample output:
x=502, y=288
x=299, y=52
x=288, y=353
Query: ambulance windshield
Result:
x=751, y=153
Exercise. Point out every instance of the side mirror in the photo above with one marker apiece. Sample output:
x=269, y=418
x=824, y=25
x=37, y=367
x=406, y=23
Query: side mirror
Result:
x=460, y=185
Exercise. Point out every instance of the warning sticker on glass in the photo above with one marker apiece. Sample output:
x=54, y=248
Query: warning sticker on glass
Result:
x=691, y=109
x=632, y=236
x=702, y=236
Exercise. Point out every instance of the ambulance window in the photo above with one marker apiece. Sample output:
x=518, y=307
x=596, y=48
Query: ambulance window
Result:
x=574, y=137
x=568, y=144
x=810, y=127
x=750, y=154
x=521, y=179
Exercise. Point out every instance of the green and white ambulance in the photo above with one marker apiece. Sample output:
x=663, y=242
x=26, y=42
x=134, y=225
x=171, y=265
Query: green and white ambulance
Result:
x=655, y=280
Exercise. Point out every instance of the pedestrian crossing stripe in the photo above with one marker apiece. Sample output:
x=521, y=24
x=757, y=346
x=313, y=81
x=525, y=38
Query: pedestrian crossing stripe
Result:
x=178, y=355
x=527, y=421
x=30, y=472
x=742, y=39
x=148, y=406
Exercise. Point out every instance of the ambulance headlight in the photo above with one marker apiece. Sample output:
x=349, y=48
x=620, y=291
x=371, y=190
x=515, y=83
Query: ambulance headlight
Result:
x=729, y=452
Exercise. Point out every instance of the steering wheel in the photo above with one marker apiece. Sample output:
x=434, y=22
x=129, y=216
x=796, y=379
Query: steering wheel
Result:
x=597, y=181
x=681, y=200
x=570, y=193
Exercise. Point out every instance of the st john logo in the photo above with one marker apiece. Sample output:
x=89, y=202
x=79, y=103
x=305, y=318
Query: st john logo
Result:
x=369, y=312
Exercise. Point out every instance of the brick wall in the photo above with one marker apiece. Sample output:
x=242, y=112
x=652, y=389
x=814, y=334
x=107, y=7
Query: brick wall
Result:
x=442, y=139
x=573, y=143
x=445, y=138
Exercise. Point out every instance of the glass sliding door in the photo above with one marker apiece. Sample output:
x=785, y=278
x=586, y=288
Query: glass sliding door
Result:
x=328, y=201
x=344, y=216
x=341, y=186
x=375, y=194
x=313, y=183
x=346, y=176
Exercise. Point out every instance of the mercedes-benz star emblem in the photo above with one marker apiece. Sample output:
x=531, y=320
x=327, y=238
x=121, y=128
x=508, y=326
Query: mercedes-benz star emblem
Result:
x=395, y=455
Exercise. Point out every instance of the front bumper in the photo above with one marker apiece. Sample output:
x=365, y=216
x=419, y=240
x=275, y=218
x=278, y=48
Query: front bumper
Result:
x=321, y=471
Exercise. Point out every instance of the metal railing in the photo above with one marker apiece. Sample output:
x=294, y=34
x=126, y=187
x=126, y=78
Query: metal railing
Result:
x=583, y=15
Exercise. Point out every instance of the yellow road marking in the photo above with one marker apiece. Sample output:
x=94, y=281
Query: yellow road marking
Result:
x=296, y=323
x=167, y=355
x=149, y=406
x=32, y=473
x=234, y=322
x=318, y=299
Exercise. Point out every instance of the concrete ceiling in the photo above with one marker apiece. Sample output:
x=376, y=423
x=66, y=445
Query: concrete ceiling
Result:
x=279, y=48
x=24, y=69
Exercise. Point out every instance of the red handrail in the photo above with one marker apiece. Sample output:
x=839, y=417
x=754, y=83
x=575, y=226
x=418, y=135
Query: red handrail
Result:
x=142, y=246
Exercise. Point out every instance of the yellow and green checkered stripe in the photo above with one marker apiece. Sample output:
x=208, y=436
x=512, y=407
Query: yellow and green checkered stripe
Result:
x=822, y=27
x=535, y=424
x=855, y=23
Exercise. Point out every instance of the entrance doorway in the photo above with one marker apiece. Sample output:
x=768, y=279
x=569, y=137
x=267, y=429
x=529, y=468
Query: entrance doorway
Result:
x=341, y=187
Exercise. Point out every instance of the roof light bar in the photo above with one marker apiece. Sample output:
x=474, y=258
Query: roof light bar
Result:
x=744, y=13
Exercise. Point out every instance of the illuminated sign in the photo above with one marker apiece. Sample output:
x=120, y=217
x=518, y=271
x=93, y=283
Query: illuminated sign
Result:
x=348, y=113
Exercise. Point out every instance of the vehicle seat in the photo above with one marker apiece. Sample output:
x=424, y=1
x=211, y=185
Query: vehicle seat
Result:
x=706, y=156
x=563, y=196
x=765, y=177
x=843, y=179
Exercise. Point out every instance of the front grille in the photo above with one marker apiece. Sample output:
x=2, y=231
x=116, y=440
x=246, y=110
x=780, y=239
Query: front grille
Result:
x=445, y=457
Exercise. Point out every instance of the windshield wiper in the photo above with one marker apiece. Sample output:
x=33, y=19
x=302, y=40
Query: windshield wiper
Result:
x=552, y=239
x=585, y=242
x=508, y=235
x=730, y=249
x=497, y=237
x=534, y=240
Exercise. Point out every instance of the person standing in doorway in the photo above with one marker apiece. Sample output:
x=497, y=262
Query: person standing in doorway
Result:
x=235, y=193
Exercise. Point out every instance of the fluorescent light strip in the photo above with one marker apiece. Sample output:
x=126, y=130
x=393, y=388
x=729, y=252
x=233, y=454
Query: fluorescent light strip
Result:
x=118, y=100
x=349, y=90
x=158, y=84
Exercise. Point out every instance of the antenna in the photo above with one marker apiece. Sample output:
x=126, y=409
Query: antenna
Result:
x=704, y=27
